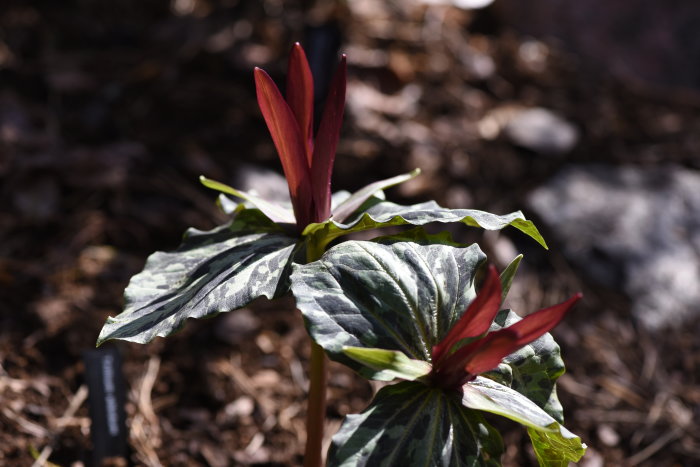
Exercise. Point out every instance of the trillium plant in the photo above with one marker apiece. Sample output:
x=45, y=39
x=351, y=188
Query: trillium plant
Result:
x=402, y=307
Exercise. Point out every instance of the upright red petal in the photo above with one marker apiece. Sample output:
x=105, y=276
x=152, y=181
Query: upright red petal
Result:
x=475, y=358
x=478, y=317
x=289, y=143
x=300, y=95
x=327, y=141
x=534, y=325
x=497, y=345
x=481, y=355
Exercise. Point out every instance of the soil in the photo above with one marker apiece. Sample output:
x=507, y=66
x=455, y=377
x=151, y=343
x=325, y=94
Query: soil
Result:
x=109, y=112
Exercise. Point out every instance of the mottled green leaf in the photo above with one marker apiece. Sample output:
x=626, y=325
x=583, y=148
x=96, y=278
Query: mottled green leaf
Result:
x=508, y=275
x=211, y=272
x=390, y=363
x=490, y=396
x=533, y=370
x=419, y=236
x=554, y=444
x=410, y=424
x=394, y=295
x=351, y=204
x=556, y=448
x=273, y=211
x=383, y=213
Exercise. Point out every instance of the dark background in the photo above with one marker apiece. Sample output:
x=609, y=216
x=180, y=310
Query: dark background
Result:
x=109, y=112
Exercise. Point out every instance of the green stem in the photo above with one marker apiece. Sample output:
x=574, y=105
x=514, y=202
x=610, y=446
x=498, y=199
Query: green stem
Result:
x=318, y=377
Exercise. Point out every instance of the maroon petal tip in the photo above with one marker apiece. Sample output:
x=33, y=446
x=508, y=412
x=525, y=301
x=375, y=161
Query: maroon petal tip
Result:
x=300, y=96
x=327, y=141
x=540, y=322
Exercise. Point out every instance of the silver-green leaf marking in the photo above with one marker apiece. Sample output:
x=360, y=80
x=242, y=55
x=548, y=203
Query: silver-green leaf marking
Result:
x=394, y=295
x=410, y=424
x=211, y=272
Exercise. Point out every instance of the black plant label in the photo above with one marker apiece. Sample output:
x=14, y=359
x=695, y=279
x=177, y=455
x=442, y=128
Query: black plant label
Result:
x=107, y=397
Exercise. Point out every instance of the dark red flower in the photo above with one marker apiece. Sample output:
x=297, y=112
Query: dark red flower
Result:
x=307, y=162
x=455, y=364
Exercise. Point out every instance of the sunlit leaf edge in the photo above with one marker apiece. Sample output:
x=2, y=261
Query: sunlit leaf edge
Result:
x=554, y=440
x=381, y=214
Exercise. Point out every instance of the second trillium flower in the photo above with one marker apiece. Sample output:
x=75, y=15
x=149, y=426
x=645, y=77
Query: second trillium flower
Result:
x=405, y=307
x=456, y=361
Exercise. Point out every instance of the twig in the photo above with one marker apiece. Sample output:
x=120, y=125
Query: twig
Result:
x=76, y=401
x=25, y=425
x=147, y=383
x=145, y=430
x=650, y=450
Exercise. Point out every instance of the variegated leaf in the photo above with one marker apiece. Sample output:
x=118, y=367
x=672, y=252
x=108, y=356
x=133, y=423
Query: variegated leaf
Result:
x=533, y=370
x=507, y=276
x=352, y=203
x=211, y=272
x=392, y=294
x=384, y=213
x=554, y=444
x=556, y=448
x=275, y=212
x=412, y=424
x=392, y=362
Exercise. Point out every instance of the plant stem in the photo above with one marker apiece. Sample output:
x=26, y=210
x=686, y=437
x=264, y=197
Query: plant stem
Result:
x=318, y=377
x=316, y=411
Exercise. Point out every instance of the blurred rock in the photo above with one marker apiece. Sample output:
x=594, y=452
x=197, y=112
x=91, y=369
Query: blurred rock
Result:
x=236, y=326
x=634, y=229
x=541, y=131
x=266, y=183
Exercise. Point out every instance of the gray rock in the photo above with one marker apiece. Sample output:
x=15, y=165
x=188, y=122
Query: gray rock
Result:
x=634, y=229
x=541, y=131
x=264, y=182
x=234, y=327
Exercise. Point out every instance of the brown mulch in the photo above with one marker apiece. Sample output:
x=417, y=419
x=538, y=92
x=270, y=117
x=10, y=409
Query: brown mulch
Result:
x=110, y=111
